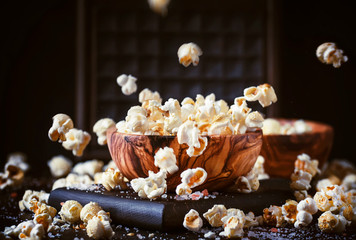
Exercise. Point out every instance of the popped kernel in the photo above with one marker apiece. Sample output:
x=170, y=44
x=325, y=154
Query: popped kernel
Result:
x=192, y=221
x=254, y=120
x=328, y=53
x=309, y=205
x=112, y=178
x=183, y=189
x=300, y=180
x=189, y=53
x=300, y=195
x=193, y=177
x=4, y=181
x=248, y=183
x=252, y=221
x=189, y=133
x=17, y=159
x=89, y=210
x=146, y=95
x=101, y=127
x=31, y=197
x=70, y=211
x=98, y=229
x=136, y=119
x=301, y=127
x=215, y=214
x=264, y=93
x=44, y=219
x=305, y=164
x=233, y=227
x=62, y=123
x=304, y=218
x=151, y=187
x=259, y=169
x=289, y=211
x=72, y=180
x=26, y=230
x=273, y=216
x=76, y=140
x=350, y=197
x=14, y=173
x=329, y=222
x=59, y=166
x=347, y=211
x=349, y=182
x=127, y=84
x=89, y=167
x=331, y=180
x=166, y=160
x=271, y=126
x=159, y=6
x=323, y=202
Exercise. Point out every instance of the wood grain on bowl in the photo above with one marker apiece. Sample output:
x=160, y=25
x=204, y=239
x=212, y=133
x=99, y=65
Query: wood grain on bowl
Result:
x=280, y=151
x=225, y=158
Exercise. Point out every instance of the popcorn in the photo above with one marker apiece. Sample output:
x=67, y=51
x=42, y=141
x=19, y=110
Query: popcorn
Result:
x=350, y=197
x=347, y=211
x=127, y=84
x=248, y=183
x=59, y=166
x=301, y=127
x=332, y=180
x=159, y=6
x=193, y=177
x=264, y=93
x=89, y=167
x=26, y=230
x=221, y=125
x=259, y=169
x=215, y=214
x=328, y=53
x=289, y=211
x=111, y=164
x=14, y=173
x=89, y=211
x=146, y=95
x=192, y=221
x=101, y=127
x=233, y=226
x=76, y=140
x=136, y=120
x=72, y=180
x=271, y=126
x=4, y=181
x=70, y=211
x=328, y=222
x=252, y=221
x=349, y=182
x=323, y=202
x=183, y=189
x=30, y=198
x=304, y=163
x=300, y=195
x=189, y=133
x=308, y=205
x=303, y=219
x=331, y=198
x=189, y=53
x=99, y=229
x=17, y=159
x=151, y=187
x=273, y=216
x=166, y=160
x=254, y=120
x=44, y=219
x=62, y=123
x=300, y=180
x=112, y=178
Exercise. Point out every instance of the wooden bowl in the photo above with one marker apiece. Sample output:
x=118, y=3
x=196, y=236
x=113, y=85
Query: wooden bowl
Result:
x=225, y=158
x=281, y=151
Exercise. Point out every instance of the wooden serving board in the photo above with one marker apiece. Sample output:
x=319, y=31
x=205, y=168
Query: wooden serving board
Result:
x=167, y=214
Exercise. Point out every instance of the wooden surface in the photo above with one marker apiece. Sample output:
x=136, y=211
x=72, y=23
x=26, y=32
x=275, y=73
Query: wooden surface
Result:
x=224, y=159
x=280, y=151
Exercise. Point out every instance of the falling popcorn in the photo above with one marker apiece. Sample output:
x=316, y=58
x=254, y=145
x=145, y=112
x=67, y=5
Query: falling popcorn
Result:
x=328, y=53
x=127, y=84
x=76, y=140
x=101, y=127
x=62, y=123
x=189, y=53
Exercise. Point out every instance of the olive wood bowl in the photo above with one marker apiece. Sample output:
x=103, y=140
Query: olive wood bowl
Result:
x=281, y=151
x=225, y=158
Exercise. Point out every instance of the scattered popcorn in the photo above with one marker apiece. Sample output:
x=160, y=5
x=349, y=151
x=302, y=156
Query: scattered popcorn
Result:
x=30, y=198
x=44, y=219
x=4, y=181
x=348, y=212
x=89, y=211
x=76, y=140
x=62, y=123
x=183, y=189
x=17, y=159
x=331, y=180
x=329, y=222
x=323, y=202
x=233, y=225
x=303, y=219
x=26, y=230
x=305, y=164
x=252, y=221
x=159, y=6
x=192, y=221
x=70, y=211
x=273, y=126
x=328, y=53
x=300, y=180
x=306, y=208
x=191, y=178
x=166, y=160
x=99, y=229
x=248, y=183
x=89, y=167
x=273, y=216
x=264, y=93
x=349, y=182
x=151, y=187
x=300, y=195
x=72, y=180
x=259, y=169
x=215, y=214
x=112, y=178
x=289, y=211
x=59, y=166
x=189, y=53
x=127, y=84
x=100, y=128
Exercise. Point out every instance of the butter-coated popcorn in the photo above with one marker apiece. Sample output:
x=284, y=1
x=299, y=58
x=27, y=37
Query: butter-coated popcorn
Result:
x=192, y=221
x=215, y=214
x=329, y=222
x=59, y=166
x=101, y=127
x=273, y=216
x=89, y=210
x=112, y=178
x=264, y=93
x=70, y=211
x=30, y=198
x=349, y=182
x=72, y=180
x=328, y=53
x=98, y=229
x=146, y=95
x=348, y=212
x=159, y=6
x=89, y=167
x=233, y=227
x=44, y=219
x=289, y=211
x=127, y=84
x=166, y=160
x=221, y=125
x=337, y=194
x=189, y=53
x=62, y=123
x=305, y=164
x=323, y=202
x=194, y=177
x=76, y=140
x=151, y=187
x=252, y=221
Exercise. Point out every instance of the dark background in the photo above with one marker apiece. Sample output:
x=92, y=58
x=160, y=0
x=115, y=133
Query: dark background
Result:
x=37, y=72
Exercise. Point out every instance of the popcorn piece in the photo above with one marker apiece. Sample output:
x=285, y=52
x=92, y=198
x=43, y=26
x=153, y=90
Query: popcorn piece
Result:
x=337, y=195
x=44, y=219
x=4, y=181
x=323, y=202
x=70, y=211
x=273, y=216
x=304, y=163
x=348, y=212
x=183, y=189
x=233, y=227
x=221, y=125
x=30, y=198
x=72, y=180
x=26, y=230
x=328, y=53
x=159, y=6
x=193, y=177
x=100, y=128
x=89, y=167
x=302, y=127
x=192, y=221
x=146, y=95
x=349, y=182
x=300, y=180
x=331, y=180
x=76, y=140
x=17, y=159
x=210, y=235
x=303, y=219
x=308, y=205
x=59, y=166
x=62, y=123
x=215, y=214
x=112, y=178
x=248, y=183
x=252, y=221
x=264, y=93
x=89, y=211
x=127, y=84
x=259, y=169
x=151, y=187
x=14, y=173
x=189, y=53
x=350, y=197
x=166, y=160
x=271, y=126
x=300, y=195
x=289, y=211
x=136, y=120
x=189, y=133
x=99, y=229
x=328, y=222
x=254, y=120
